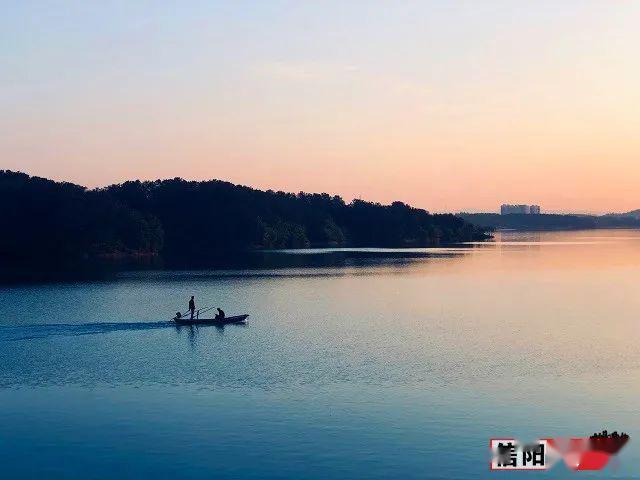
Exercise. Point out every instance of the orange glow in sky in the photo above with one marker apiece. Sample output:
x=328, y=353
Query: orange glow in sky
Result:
x=447, y=106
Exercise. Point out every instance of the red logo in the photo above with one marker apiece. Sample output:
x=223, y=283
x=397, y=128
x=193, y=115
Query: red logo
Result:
x=585, y=453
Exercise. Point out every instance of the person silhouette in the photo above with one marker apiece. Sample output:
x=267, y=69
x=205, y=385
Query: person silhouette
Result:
x=192, y=306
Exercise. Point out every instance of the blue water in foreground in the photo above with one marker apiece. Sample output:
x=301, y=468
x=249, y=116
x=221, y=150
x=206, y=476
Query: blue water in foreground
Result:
x=384, y=367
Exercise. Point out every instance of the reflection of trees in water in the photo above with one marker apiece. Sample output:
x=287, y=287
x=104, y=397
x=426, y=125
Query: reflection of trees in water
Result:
x=257, y=261
x=341, y=258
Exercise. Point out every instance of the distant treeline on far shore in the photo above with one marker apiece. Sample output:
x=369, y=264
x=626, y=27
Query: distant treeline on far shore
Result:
x=516, y=221
x=191, y=221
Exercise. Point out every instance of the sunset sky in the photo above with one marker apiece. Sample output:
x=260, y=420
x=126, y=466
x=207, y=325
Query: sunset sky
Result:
x=445, y=105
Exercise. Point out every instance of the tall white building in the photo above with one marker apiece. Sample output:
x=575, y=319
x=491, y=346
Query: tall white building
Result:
x=506, y=209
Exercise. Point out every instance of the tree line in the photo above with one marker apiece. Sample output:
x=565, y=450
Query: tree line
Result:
x=547, y=221
x=191, y=220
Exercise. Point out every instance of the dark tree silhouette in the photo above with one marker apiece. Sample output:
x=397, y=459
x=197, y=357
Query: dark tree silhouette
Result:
x=42, y=219
x=517, y=221
x=191, y=221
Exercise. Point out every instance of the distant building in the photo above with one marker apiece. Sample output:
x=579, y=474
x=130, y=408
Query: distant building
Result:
x=507, y=209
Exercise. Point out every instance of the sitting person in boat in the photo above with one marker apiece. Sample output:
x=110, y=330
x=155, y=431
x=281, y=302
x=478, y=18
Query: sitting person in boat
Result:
x=220, y=314
x=192, y=306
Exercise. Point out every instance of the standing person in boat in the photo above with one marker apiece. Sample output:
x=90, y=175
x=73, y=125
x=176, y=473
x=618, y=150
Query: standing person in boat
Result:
x=192, y=306
x=220, y=315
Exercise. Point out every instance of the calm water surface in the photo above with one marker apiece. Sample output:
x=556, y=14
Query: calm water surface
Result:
x=386, y=365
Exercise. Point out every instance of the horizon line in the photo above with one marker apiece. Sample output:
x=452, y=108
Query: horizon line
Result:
x=210, y=179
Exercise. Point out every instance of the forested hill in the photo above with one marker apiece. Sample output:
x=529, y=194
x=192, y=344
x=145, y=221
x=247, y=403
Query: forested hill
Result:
x=516, y=221
x=189, y=220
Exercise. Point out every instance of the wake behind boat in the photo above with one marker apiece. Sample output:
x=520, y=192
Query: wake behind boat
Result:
x=210, y=321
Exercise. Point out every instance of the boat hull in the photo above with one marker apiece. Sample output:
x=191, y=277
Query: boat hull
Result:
x=211, y=321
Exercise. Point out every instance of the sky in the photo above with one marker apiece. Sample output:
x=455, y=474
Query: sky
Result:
x=445, y=105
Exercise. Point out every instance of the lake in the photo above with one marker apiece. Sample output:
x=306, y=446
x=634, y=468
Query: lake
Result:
x=372, y=364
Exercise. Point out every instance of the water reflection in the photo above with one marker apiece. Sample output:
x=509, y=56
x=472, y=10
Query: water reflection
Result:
x=194, y=330
x=255, y=263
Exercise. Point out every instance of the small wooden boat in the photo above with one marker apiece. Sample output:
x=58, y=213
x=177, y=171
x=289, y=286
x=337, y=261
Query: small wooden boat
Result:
x=210, y=321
